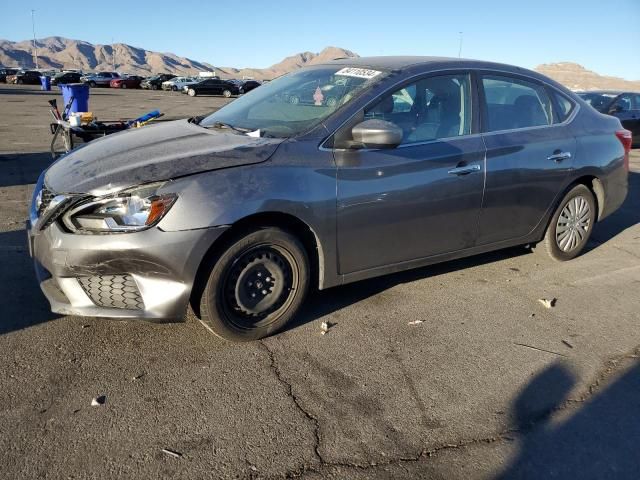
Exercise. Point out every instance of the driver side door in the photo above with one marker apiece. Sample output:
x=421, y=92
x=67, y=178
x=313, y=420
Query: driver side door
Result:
x=423, y=197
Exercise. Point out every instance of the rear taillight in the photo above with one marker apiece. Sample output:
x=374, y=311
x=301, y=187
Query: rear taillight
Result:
x=626, y=139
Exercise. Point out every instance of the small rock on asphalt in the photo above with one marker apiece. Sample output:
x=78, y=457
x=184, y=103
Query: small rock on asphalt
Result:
x=98, y=401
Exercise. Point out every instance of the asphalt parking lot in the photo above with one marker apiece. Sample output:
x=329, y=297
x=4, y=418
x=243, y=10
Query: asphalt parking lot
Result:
x=489, y=384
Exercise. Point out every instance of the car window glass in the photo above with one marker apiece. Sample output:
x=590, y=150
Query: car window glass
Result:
x=636, y=102
x=431, y=108
x=565, y=106
x=512, y=103
x=622, y=103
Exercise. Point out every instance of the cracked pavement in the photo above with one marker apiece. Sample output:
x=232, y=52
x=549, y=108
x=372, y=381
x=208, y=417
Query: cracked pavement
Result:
x=489, y=385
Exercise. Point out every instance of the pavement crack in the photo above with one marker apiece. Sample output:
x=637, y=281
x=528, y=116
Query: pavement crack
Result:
x=289, y=387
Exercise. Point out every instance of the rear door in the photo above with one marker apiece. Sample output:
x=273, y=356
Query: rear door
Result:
x=530, y=151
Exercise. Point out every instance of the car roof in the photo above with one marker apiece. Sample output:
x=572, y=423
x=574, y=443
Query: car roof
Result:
x=406, y=62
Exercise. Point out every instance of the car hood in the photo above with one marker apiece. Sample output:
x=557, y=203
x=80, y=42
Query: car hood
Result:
x=153, y=153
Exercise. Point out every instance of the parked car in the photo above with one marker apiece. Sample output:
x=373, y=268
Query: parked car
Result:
x=6, y=71
x=623, y=105
x=27, y=77
x=131, y=81
x=66, y=77
x=178, y=83
x=100, y=79
x=155, y=82
x=239, y=213
x=213, y=86
x=249, y=85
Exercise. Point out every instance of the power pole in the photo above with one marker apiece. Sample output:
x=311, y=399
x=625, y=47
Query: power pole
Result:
x=460, y=45
x=35, y=45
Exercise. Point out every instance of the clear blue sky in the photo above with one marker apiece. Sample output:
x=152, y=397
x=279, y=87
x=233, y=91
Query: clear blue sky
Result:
x=601, y=35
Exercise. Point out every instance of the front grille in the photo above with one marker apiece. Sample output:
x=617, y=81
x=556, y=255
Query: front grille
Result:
x=113, y=291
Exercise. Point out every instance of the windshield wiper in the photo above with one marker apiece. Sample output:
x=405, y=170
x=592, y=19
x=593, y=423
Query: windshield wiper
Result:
x=229, y=126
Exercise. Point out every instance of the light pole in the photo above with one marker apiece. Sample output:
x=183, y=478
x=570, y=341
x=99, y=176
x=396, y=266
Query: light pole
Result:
x=35, y=45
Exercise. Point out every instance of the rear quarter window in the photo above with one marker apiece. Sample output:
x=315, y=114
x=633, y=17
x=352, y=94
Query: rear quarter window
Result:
x=564, y=106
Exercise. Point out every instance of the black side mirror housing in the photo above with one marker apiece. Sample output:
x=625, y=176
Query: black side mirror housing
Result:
x=377, y=133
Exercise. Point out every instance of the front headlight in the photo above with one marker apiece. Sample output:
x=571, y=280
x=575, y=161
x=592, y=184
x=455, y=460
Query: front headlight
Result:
x=128, y=211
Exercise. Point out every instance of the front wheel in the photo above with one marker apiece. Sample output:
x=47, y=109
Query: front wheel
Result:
x=174, y=88
x=571, y=225
x=92, y=84
x=123, y=85
x=226, y=93
x=154, y=87
x=192, y=92
x=256, y=286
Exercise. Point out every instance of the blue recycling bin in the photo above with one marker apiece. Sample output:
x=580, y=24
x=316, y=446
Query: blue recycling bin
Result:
x=45, y=83
x=80, y=94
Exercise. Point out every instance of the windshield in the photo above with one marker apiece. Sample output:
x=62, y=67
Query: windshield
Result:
x=599, y=101
x=295, y=102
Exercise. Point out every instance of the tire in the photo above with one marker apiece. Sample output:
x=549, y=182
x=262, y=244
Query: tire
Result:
x=174, y=88
x=92, y=84
x=563, y=246
x=123, y=85
x=269, y=264
x=192, y=93
x=20, y=81
x=154, y=87
x=226, y=93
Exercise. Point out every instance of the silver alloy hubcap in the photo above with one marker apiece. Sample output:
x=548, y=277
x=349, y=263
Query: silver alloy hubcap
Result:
x=573, y=223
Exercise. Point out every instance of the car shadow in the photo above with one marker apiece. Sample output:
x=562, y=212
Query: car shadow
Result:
x=22, y=168
x=598, y=440
x=21, y=302
x=626, y=216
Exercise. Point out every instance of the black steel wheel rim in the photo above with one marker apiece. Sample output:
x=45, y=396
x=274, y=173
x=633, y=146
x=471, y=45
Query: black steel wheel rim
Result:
x=259, y=286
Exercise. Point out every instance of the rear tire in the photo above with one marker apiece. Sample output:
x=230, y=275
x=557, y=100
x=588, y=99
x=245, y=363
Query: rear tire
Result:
x=571, y=225
x=154, y=87
x=123, y=85
x=174, y=88
x=256, y=286
x=92, y=84
x=226, y=93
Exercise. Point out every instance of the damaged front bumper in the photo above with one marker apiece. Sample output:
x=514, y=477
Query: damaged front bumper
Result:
x=147, y=274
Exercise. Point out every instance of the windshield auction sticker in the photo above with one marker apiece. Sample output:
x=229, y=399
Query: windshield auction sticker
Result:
x=358, y=72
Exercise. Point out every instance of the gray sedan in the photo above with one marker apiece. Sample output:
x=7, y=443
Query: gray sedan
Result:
x=381, y=165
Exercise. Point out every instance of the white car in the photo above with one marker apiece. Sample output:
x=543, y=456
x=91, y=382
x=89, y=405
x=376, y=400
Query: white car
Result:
x=178, y=83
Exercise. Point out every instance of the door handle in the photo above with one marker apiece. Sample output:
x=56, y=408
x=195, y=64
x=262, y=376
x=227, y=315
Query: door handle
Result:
x=560, y=156
x=464, y=170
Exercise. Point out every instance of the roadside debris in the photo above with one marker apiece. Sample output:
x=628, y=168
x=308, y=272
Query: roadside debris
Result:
x=547, y=303
x=532, y=315
x=171, y=453
x=86, y=326
x=415, y=322
x=567, y=344
x=98, y=401
x=539, y=349
x=138, y=377
x=325, y=326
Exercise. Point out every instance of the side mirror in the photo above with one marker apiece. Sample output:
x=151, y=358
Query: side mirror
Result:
x=376, y=133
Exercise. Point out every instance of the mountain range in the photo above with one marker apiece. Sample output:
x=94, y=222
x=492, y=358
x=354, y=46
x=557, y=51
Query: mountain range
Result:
x=60, y=53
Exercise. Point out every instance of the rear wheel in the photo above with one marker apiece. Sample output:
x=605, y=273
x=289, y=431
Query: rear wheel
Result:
x=256, y=286
x=20, y=81
x=92, y=84
x=226, y=93
x=571, y=225
x=174, y=88
x=123, y=85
